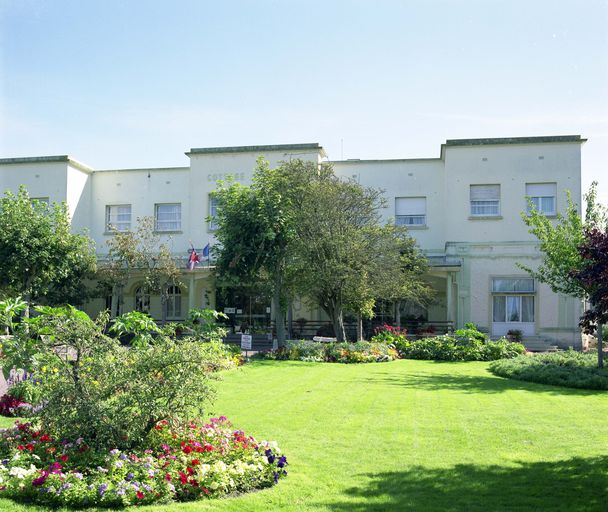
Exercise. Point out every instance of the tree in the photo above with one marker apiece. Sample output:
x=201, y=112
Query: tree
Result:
x=139, y=253
x=256, y=230
x=559, y=241
x=40, y=259
x=345, y=258
x=593, y=277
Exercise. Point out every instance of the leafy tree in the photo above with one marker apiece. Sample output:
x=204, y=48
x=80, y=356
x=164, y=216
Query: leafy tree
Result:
x=344, y=258
x=256, y=230
x=139, y=253
x=593, y=277
x=40, y=259
x=10, y=309
x=560, y=241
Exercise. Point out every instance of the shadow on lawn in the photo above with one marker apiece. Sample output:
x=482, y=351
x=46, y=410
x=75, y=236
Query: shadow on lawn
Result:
x=577, y=484
x=469, y=384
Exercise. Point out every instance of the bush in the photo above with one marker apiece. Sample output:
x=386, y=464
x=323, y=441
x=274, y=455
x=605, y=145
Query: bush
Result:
x=177, y=461
x=466, y=347
x=569, y=369
x=91, y=384
x=312, y=351
x=389, y=334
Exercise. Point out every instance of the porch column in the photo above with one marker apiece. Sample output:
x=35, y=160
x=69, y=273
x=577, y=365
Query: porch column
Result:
x=191, y=293
x=449, y=295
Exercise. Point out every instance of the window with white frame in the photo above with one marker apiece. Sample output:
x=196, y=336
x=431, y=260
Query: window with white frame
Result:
x=485, y=200
x=410, y=211
x=118, y=217
x=213, y=202
x=543, y=197
x=168, y=217
x=174, y=302
x=513, y=300
x=142, y=299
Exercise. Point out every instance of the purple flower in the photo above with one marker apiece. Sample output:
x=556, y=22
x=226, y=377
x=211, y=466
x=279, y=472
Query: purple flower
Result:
x=102, y=489
x=276, y=477
x=120, y=492
x=123, y=456
x=78, y=475
x=282, y=461
x=147, y=487
x=114, y=451
x=129, y=477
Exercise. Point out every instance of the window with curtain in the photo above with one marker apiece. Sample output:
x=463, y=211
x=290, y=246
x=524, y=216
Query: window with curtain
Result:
x=543, y=197
x=168, y=217
x=410, y=211
x=513, y=300
x=212, y=213
x=118, y=217
x=174, y=302
x=485, y=200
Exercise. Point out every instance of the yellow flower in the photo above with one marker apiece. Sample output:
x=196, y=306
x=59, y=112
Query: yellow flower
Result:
x=44, y=369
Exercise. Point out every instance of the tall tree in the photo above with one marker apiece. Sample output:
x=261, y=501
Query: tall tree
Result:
x=256, y=229
x=139, y=253
x=593, y=277
x=345, y=258
x=560, y=240
x=40, y=258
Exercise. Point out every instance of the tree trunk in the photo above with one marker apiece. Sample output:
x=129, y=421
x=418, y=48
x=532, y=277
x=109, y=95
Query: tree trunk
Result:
x=290, y=321
x=359, y=327
x=398, y=313
x=600, y=346
x=277, y=310
x=338, y=322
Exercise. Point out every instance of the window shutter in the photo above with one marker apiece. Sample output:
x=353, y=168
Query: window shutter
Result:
x=410, y=206
x=485, y=192
x=541, y=189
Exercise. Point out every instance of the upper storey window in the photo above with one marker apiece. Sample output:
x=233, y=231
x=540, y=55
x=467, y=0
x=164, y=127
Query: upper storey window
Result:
x=485, y=200
x=168, y=217
x=213, y=202
x=542, y=196
x=410, y=211
x=118, y=217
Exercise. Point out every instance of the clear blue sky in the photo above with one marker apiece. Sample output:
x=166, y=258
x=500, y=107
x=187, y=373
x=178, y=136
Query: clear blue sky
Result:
x=137, y=83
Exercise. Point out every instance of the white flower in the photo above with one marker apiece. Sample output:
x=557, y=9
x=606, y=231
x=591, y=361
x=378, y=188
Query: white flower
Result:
x=214, y=485
x=18, y=472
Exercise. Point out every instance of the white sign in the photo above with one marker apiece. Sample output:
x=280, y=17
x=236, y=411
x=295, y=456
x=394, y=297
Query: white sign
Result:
x=246, y=341
x=229, y=311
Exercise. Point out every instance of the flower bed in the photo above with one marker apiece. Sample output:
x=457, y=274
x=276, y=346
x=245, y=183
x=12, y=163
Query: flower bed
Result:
x=312, y=351
x=183, y=461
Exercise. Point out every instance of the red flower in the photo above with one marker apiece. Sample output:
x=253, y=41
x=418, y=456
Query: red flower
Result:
x=168, y=477
x=195, y=462
x=199, y=449
x=44, y=438
x=30, y=447
x=190, y=470
x=205, y=490
x=20, y=447
x=140, y=495
x=63, y=457
x=187, y=449
x=183, y=478
x=208, y=448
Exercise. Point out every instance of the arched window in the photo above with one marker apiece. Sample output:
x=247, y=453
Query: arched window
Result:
x=142, y=300
x=174, y=302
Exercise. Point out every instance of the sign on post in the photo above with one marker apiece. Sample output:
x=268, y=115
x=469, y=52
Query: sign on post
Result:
x=246, y=341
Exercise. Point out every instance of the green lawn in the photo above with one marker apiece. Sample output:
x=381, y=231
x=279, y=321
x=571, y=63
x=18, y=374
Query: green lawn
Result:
x=416, y=436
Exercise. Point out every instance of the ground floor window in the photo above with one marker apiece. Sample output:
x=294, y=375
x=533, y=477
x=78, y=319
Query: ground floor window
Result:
x=513, y=308
x=174, y=302
x=142, y=300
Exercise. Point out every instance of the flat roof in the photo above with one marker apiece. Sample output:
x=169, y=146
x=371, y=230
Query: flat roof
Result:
x=548, y=139
x=252, y=149
x=47, y=159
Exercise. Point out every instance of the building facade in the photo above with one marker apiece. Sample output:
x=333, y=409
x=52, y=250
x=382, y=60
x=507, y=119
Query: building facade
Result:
x=462, y=207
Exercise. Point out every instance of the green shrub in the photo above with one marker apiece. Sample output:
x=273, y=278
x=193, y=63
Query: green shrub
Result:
x=312, y=351
x=466, y=347
x=569, y=369
x=91, y=384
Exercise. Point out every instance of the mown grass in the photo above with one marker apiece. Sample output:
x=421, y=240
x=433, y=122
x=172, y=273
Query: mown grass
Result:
x=415, y=436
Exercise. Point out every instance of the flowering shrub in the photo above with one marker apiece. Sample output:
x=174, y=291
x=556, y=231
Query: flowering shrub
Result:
x=389, y=334
x=11, y=406
x=312, y=351
x=182, y=461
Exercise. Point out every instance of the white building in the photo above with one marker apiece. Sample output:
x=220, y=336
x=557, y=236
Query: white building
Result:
x=463, y=207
